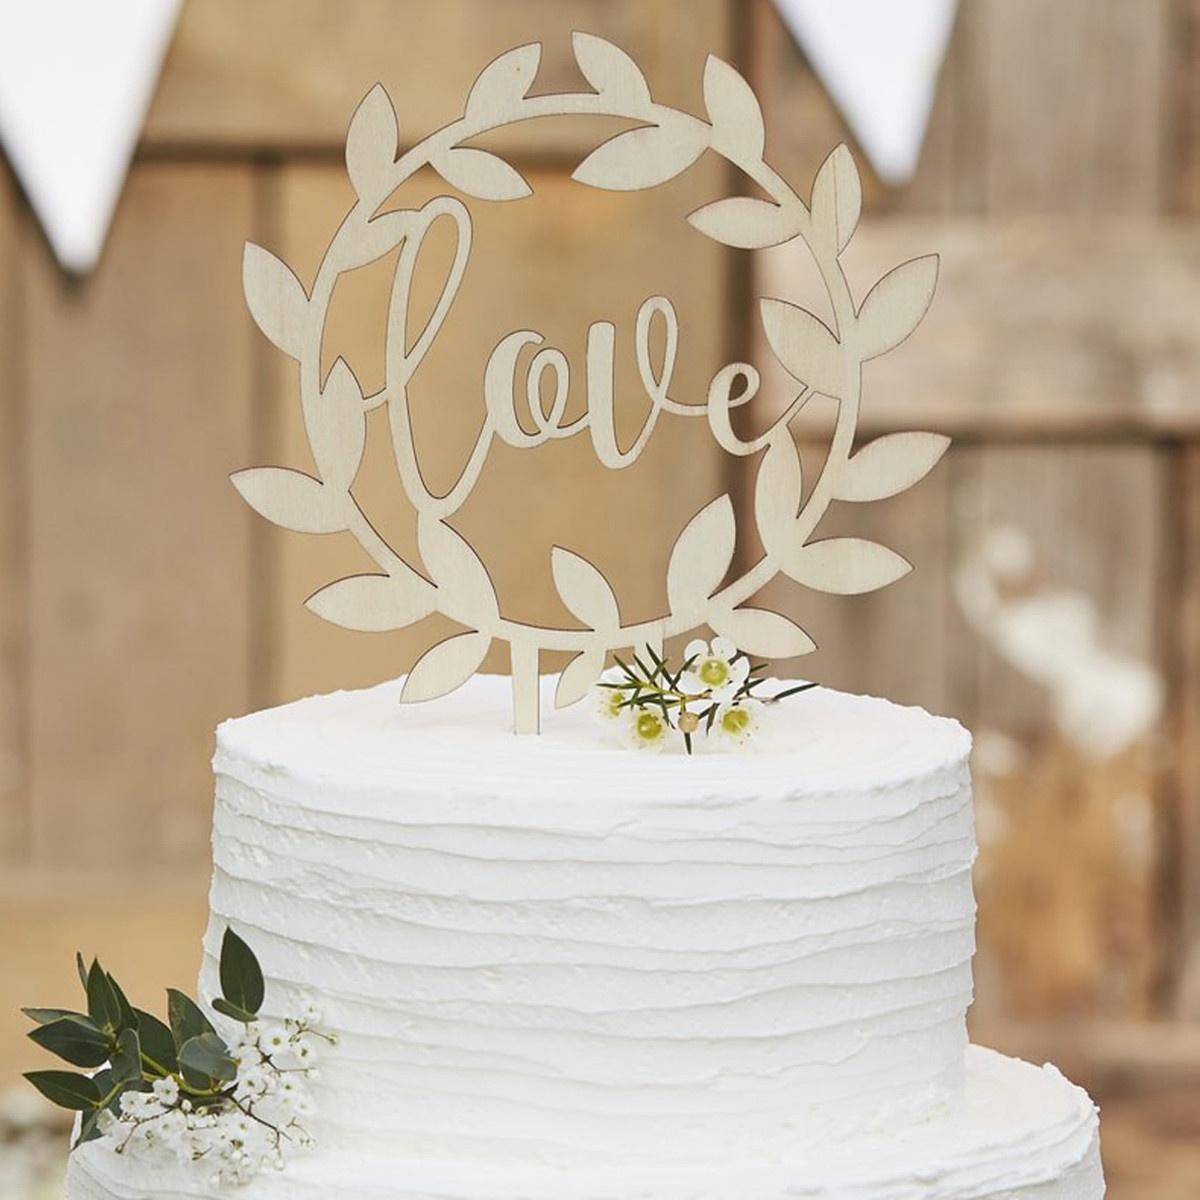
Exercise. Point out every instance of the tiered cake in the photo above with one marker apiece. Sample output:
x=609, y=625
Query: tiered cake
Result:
x=561, y=970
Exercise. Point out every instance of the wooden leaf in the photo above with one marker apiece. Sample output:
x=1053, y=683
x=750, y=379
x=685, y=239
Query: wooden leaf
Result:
x=578, y=676
x=503, y=84
x=373, y=603
x=481, y=174
x=337, y=428
x=837, y=197
x=381, y=235
x=845, y=566
x=733, y=109
x=291, y=499
x=454, y=566
x=641, y=158
x=895, y=305
x=777, y=492
x=584, y=590
x=372, y=145
x=805, y=346
x=611, y=72
x=763, y=633
x=701, y=555
x=744, y=223
x=446, y=666
x=889, y=465
x=277, y=301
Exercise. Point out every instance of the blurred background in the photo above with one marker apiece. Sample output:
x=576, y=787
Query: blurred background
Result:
x=1055, y=608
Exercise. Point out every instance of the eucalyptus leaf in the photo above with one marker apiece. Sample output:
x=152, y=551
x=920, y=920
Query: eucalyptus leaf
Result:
x=103, y=1006
x=89, y=1129
x=241, y=976
x=206, y=1059
x=128, y=1018
x=79, y=1093
x=78, y=1042
x=127, y=1061
x=232, y=1011
x=187, y=1021
x=158, y=1043
x=110, y=1101
x=45, y=1016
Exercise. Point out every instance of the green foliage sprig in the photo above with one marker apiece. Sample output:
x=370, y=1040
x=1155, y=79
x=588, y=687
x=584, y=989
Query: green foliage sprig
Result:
x=181, y=1066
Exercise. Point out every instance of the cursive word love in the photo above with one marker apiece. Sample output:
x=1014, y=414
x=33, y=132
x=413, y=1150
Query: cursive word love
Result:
x=547, y=378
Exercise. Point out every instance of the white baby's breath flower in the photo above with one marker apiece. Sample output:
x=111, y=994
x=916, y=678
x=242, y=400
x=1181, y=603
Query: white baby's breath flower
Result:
x=646, y=728
x=305, y=1055
x=251, y=1083
x=716, y=669
x=141, y=1106
x=235, y=1136
x=274, y=1038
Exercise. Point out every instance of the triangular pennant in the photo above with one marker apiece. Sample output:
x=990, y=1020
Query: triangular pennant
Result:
x=76, y=78
x=879, y=60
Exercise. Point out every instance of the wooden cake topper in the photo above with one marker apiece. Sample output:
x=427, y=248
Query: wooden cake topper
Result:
x=823, y=360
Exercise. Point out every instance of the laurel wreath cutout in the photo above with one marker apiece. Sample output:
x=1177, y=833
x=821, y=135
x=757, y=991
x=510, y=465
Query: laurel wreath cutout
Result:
x=822, y=359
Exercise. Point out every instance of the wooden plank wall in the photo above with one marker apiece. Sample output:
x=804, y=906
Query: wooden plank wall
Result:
x=14, y=809
x=1060, y=181
x=1062, y=353
x=140, y=601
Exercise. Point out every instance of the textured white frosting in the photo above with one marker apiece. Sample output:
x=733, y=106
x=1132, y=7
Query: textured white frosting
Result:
x=566, y=971
x=556, y=950
x=1016, y=1133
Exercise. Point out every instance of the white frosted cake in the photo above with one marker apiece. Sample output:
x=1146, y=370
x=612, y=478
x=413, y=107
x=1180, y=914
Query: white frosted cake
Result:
x=559, y=969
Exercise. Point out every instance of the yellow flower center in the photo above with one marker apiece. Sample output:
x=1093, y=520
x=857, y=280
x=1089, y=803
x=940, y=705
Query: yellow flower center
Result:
x=735, y=721
x=649, y=726
x=714, y=672
x=612, y=705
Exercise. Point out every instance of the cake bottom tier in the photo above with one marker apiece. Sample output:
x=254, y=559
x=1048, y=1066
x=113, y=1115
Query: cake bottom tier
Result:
x=1018, y=1133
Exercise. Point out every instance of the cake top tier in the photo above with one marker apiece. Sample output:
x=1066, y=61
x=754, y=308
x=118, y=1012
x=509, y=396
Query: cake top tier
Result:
x=818, y=743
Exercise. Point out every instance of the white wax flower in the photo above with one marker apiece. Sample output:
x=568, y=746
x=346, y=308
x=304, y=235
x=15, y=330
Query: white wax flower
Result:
x=646, y=728
x=607, y=701
x=714, y=669
x=737, y=724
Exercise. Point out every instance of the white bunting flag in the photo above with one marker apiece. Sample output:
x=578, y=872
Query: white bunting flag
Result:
x=76, y=77
x=879, y=59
